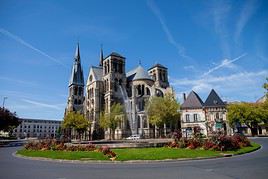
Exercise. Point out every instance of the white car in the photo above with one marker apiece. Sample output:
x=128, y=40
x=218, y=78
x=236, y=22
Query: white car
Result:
x=133, y=137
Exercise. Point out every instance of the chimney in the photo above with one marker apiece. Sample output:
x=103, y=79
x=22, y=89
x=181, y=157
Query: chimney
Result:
x=184, y=97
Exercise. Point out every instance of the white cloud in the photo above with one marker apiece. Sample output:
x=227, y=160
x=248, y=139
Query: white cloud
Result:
x=24, y=82
x=156, y=11
x=234, y=86
x=26, y=44
x=224, y=63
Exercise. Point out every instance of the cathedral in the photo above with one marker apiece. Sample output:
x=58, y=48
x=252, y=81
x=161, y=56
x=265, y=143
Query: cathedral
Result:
x=109, y=83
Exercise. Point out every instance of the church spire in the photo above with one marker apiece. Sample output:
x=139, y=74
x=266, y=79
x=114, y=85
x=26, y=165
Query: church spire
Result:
x=77, y=77
x=77, y=53
x=101, y=56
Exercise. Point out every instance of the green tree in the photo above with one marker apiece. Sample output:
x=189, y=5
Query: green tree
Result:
x=112, y=119
x=8, y=120
x=250, y=114
x=76, y=121
x=163, y=110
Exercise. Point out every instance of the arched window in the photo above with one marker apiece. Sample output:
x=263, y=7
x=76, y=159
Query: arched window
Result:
x=75, y=90
x=139, y=89
x=108, y=67
x=164, y=76
x=160, y=75
x=139, y=122
x=154, y=76
x=75, y=101
x=145, y=122
x=115, y=84
x=105, y=68
x=120, y=66
x=148, y=91
x=80, y=91
x=79, y=102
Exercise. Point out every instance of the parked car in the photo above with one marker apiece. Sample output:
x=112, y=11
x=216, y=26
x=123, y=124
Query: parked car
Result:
x=134, y=137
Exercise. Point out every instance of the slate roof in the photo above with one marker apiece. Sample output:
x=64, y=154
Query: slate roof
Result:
x=138, y=74
x=158, y=65
x=97, y=72
x=192, y=101
x=213, y=100
x=115, y=54
x=77, y=77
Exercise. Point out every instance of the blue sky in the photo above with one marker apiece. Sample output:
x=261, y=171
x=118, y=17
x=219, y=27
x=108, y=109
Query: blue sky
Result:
x=205, y=44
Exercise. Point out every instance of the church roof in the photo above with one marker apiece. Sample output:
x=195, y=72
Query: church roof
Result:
x=138, y=74
x=157, y=65
x=97, y=72
x=115, y=54
x=213, y=100
x=77, y=77
x=192, y=101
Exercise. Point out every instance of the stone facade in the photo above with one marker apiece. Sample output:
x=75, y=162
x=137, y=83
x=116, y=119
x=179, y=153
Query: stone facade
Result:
x=39, y=128
x=207, y=117
x=109, y=83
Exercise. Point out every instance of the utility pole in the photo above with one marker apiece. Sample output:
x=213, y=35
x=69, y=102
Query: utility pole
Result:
x=4, y=99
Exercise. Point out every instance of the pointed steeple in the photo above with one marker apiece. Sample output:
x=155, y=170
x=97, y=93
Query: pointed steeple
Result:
x=77, y=77
x=77, y=53
x=214, y=100
x=101, y=56
x=193, y=101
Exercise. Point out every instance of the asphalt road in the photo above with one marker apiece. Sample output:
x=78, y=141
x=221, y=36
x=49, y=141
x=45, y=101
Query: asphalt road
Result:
x=253, y=166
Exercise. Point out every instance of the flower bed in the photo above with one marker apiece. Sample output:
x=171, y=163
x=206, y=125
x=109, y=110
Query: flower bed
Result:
x=53, y=145
x=216, y=141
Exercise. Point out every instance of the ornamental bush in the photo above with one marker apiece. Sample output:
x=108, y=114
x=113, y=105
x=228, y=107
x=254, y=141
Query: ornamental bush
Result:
x=60, y=146
x=217, y=141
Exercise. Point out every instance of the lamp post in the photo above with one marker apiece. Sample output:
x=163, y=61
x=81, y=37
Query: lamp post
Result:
x=4, y=99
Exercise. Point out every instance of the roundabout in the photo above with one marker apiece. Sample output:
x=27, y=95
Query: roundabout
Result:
x=251, y=165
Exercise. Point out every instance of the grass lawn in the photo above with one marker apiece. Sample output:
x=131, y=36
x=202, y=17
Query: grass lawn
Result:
x=135, y=153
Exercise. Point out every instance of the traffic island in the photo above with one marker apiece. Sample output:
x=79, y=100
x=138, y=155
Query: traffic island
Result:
x=134, y=154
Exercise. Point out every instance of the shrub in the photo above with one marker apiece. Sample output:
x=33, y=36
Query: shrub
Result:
x=183, y=143
x=172, y=144
x=193, y=143
x=219, y=141
x=177, y=135
x=228, y=143
x=242, y=140
x=208, y=145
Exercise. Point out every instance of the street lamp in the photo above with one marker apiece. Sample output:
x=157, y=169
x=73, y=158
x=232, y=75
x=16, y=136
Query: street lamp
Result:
x=4, y=99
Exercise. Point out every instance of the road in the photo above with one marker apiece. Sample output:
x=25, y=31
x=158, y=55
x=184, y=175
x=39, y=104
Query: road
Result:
x=252, y=166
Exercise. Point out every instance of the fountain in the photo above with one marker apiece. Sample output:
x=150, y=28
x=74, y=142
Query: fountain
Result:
x=127, y=105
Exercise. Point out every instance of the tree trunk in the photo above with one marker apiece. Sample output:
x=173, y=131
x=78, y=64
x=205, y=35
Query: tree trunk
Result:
x=155, y=132
x=253, y=129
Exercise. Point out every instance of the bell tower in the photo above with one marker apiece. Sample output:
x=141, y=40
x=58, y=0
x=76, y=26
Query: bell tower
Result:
x=76, y=86
x=113, y=76
x=159, y=73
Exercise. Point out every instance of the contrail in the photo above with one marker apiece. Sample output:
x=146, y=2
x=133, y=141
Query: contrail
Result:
x=42, y=104
x=223, y=64
x=156, y=11
x=18, y=39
